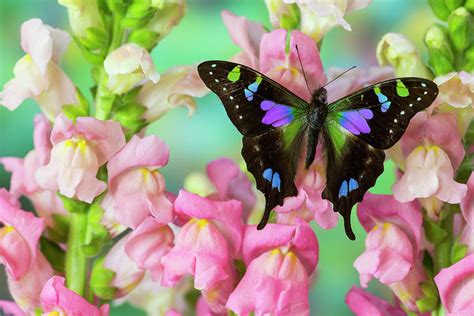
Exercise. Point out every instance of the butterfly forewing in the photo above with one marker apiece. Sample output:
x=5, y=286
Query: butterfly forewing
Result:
x=255, y=103
x=379, y=114
x=272, y=120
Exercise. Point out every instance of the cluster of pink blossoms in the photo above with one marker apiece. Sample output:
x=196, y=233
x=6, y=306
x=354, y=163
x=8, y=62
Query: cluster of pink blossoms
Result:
x=95, y=181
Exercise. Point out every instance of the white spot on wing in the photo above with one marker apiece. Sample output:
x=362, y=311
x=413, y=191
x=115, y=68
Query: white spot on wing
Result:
x=231, y=97
x=423, y=84
x=425, y=93
x=410, y=105
x=240, y=116
x=391, y=131
x=216, y=80
x=213, y=65
x=395, y=120
x=402, y=112
x=418, y=99
x=237, y=106
x=211, y=73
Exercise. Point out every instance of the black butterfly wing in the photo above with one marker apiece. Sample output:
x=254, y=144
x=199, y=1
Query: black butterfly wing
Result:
x=379, y=114
x=352, y=167
x=255, y=103
x=359, y=127
x=272, y=120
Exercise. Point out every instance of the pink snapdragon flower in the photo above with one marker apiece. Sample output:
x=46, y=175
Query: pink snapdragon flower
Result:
x=178, y=86
x=78, y=152
x=57, y=299
x=266, y=52
x=408, y=290
x=135, y=184
x=127, y=273
x=433, y=150
x=26, y=268
x=128, y=66
x=206, y=246
x=279, y=261
x=456, y=89
x=393, y=240
x=456, y=287
x=148, y=244
x=23, y=181
x=37, y=74
x=363, y=303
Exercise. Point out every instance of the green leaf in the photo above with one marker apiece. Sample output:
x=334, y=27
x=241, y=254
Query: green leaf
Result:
x=53, y=253
x=96, y=234
x=73, y=205
x=428, y=263
x=144, y=37
x=458, y=251
x=434, y=233
x=100, y=281
x=426, y=304
x=453, y=4
x=439, y=9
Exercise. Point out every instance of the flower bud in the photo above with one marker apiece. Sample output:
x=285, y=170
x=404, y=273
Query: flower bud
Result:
x=440, y=9
x=469, y=5
x=139, y=12
x=117, y=6
x=453, y=4
x=83, y=14
x=144, y=38
x=396, y=50
x=469, y=59
x=283, y=15
x=168, y=15
x=441, y=55
x=95, y=38
x=461, y=28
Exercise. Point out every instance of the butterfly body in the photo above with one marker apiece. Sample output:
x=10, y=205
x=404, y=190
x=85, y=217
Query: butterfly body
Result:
x=276, y=125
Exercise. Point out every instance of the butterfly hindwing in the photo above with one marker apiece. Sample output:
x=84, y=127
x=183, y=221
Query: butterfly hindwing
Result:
x=352, y=167
x=272, y=121
x=272, y=158
x=379, y=114
x=255, y=103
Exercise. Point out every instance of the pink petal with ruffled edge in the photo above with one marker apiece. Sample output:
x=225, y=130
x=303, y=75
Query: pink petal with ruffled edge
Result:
x=148, y=152
x=363, y=303
x=286, y=69
x=56, y=297
x=456, y=287
x=247, y=35
x=388, y=256
x=231, y=183
x=274, y=283
x=229, y=213
x=19, y=239
x=439, y=129
x=148, y=244
x=300, y=238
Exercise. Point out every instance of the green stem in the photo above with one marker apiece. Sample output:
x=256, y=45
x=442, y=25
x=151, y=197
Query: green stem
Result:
x=104, y=105
x=443, y=249
x=76, y=262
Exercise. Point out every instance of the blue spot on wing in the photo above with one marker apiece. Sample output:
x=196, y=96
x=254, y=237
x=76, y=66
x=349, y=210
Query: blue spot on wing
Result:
x=267, y=174
x=248, y=94
x=276, y=181
x=353, y=184
x=383, y=99
x=385, y=106
x=343, y=190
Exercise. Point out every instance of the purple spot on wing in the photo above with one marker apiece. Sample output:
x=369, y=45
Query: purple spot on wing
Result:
x=366, y=113
x=358, y=121
x=267, y=105
x=349, y=126
x=278, y=115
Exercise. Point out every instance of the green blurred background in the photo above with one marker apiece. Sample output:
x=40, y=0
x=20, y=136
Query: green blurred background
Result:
x=209, y=134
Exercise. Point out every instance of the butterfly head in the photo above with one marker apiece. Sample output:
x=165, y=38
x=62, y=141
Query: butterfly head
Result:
x=319, y=97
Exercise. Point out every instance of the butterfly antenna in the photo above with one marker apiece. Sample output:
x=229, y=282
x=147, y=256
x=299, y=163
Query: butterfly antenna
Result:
x=338, y=76
x=304, y=74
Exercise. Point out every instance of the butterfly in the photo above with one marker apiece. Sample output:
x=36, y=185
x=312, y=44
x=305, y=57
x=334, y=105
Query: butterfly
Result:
x=276, y=124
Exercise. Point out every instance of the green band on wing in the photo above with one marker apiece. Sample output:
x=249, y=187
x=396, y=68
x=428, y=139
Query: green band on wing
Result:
x=234, y=74
x=402, y=90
